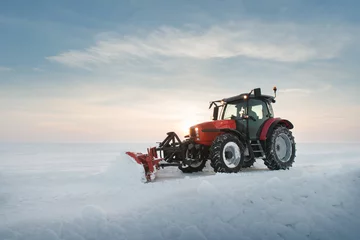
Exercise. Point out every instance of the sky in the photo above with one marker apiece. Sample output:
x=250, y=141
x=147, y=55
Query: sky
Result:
x=129, y=71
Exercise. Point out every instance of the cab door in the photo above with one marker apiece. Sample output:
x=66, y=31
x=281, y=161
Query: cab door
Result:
x=258, y=113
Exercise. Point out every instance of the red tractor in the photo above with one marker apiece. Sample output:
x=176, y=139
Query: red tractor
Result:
x=243, y=129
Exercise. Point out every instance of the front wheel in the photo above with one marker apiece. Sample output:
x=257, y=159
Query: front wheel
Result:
x=248, y=162
x=227, y=154
x=280, y=152
x=199, y=160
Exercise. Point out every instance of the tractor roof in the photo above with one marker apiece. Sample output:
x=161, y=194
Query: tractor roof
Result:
x=252, y=96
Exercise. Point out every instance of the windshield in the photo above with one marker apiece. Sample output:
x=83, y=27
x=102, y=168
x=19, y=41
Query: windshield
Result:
x=258, y=109
x=234, y=110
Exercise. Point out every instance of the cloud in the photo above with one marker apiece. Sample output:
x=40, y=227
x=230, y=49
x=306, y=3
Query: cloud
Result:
x=306, y=90
x=282, y=42
x=5, y=69
x=296, y=90
x=38, y=69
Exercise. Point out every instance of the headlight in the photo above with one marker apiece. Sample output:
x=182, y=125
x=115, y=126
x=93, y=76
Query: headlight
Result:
x=197, y=132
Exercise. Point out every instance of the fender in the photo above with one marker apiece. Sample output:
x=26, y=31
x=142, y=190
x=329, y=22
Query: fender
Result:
x=270, y=124
x=240, y=135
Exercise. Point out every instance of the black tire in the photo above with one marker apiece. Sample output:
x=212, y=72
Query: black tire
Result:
x=221, y=144
x=191, y=168
x=281, y=137
x=196, y=167
x=248, y=162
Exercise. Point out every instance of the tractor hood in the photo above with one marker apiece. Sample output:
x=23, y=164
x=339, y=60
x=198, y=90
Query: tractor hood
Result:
x=206, y=137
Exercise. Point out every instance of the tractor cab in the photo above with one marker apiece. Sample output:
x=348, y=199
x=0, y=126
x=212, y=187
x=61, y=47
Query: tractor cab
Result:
x=250, y=111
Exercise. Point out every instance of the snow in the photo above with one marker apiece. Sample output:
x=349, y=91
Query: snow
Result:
x=93, y=191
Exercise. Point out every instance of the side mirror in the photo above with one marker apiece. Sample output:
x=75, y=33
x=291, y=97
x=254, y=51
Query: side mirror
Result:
x=215, y=113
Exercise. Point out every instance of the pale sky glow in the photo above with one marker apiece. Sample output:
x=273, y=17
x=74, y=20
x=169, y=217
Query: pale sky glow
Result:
x=133, y=71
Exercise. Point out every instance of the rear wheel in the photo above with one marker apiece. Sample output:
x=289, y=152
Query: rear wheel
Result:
x=280, y=152
x=227, y=153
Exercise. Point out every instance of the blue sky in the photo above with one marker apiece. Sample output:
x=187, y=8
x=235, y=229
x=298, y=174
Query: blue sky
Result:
x=134, y=70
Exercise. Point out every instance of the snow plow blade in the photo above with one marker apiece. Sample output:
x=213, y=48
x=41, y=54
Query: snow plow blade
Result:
x=149, y=162
x=170, y=151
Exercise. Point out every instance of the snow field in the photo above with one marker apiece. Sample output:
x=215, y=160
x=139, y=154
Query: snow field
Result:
x=317, y=199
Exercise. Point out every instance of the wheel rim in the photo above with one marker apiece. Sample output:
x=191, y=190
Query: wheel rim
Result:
x=283, y=147
x=195, y=164
x=231, y=155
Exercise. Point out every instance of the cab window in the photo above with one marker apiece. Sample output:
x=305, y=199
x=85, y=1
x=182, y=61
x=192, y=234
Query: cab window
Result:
x=258, y=109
